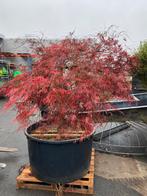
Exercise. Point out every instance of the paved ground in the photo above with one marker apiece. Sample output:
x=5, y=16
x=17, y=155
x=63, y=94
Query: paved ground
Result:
x=105, y=184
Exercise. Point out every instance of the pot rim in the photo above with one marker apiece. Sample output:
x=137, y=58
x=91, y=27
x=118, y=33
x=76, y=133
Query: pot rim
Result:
x=56, y=142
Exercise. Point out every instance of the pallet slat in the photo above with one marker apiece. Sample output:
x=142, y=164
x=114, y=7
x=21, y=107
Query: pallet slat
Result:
x=84, y=185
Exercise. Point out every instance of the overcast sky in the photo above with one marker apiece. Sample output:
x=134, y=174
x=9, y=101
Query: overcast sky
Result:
x=56, y=18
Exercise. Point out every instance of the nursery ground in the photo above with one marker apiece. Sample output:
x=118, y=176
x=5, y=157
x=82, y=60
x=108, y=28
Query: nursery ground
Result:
x=114, y=175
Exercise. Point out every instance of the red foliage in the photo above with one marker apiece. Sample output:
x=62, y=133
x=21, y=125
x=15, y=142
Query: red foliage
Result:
x=71, y=77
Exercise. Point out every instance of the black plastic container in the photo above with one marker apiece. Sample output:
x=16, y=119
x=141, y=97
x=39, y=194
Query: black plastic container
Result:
x=58, y=161
x=129, y=138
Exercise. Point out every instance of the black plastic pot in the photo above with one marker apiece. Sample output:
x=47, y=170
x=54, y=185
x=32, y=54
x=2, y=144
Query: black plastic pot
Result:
x=58, y=161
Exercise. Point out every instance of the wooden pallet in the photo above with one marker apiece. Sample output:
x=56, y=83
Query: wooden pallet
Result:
x=85, y=185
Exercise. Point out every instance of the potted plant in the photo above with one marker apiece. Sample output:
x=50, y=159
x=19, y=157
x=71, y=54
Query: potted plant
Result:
x=71, y=80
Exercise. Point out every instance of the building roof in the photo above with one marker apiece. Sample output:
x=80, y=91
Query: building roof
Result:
x=20, y=45
x=16, y=46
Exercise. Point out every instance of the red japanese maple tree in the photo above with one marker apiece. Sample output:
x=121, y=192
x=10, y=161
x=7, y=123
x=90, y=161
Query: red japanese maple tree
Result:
x=72, y=79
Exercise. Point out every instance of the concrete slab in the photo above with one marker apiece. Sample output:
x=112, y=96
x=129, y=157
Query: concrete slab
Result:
x=117, y=167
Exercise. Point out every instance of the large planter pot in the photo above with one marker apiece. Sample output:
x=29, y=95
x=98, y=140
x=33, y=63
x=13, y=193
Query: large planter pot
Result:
x=58, y=161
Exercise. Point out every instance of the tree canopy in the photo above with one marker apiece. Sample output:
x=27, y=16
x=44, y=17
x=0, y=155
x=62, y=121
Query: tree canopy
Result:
x=142, y=57
x=72, y=79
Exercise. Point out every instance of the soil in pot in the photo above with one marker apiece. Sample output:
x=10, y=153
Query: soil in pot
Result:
x=49, y=133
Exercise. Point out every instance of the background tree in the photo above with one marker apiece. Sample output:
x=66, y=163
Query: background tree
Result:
x=142, y=56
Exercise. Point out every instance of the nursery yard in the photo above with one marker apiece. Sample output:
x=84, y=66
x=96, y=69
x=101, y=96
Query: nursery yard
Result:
x=114, y=175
